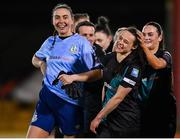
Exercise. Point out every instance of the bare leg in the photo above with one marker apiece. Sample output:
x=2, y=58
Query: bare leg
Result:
x=36, y=132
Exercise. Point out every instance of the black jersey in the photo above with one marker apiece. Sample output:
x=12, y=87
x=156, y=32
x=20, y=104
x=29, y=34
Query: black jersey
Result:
x=93, y=95
x=124, y=121
x=159, y=106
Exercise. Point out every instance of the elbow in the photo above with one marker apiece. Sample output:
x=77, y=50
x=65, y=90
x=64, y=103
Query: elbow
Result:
x=36, y=62
x=157, y=66
x=33, y=61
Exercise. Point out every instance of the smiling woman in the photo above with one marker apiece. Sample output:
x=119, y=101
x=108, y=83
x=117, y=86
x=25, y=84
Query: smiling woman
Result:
x=122, y=75
x=61, y=52
x=159, y=113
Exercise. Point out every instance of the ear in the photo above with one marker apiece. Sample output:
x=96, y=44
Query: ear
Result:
x=134, y=47
x=110, y=38
x=160, y=38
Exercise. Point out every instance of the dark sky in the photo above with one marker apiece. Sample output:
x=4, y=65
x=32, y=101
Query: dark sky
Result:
x=25, y=25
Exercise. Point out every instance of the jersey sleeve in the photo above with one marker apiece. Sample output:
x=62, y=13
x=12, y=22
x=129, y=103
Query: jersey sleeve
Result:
x=44, y=50
x=167, y=57
x=132, y=77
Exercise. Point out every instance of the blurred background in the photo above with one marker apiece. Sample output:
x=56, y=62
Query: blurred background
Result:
x=25, y=25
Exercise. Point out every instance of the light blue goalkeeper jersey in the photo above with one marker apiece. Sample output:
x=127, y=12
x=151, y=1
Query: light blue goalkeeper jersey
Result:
x=73, y=54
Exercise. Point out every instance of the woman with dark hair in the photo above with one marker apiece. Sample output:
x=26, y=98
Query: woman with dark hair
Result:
x=159, y=104
x=103, y=34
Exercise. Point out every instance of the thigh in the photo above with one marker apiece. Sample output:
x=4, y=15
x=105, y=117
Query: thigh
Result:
x=36, y=132
x=69, y=118
x=43, y=117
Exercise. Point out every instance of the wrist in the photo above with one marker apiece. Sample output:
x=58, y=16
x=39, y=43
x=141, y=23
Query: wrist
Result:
x=74, y=77
x=100, y=116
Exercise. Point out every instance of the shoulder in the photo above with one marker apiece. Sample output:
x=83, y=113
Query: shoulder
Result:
x=166, y=54
x=49, y=41
x=134, y=69
x=81, y=40
x=79, y=37
x=110, y=58
x=110, y=55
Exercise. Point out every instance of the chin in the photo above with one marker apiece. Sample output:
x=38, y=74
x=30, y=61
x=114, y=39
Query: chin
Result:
x=148, y=46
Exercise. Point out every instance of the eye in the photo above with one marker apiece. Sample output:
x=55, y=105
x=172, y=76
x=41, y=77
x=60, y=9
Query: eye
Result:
x=56, y=17
x=150, y=34
x=126, y=42
x=65, y=17
x=99, y=40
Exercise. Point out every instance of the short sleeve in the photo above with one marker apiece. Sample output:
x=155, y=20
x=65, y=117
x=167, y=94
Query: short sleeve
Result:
x=132, y=77
x=167, y=57
x=44, y=50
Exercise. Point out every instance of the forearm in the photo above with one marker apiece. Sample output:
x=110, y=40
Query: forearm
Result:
x=114, y=102
x=110, y=106
x=87, y=76
x=155, y=62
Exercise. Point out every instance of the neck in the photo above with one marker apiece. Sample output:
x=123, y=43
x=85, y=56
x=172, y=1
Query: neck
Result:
x=120, y=56
x=66, y=35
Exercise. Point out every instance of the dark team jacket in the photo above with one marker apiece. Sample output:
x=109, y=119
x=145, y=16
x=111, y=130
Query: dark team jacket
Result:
x=93, y=90
x=127, y=74
x=158, y=101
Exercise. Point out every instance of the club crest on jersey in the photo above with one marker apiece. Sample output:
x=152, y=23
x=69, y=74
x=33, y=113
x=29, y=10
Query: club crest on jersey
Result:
x=73, y=49
x=135, y=72
x=34, y=118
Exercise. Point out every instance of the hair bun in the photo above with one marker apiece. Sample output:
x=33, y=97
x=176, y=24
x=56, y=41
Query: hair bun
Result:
x=103, y=20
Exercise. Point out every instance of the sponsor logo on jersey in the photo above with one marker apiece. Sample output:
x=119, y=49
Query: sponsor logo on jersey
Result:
x=131, y=82
x=135, y=72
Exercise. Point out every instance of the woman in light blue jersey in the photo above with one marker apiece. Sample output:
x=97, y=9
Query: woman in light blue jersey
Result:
x=66, y=52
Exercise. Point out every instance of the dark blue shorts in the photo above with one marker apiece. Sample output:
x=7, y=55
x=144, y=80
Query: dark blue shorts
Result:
x=52, y=110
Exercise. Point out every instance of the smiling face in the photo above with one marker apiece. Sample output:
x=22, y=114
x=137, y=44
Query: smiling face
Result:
x=124, y=43
x=88, y=32
x=63, y=22
x=152, y=38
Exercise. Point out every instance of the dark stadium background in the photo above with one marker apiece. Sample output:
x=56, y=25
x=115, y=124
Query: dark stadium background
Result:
x=24, y=25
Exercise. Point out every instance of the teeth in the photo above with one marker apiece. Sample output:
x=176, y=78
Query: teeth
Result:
x=61, y=26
